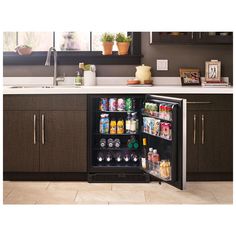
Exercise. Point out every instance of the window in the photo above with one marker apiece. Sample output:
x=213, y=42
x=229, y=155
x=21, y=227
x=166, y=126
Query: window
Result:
x=72, y=41
x=39, y=41
x=9, y=41
x=72, y=47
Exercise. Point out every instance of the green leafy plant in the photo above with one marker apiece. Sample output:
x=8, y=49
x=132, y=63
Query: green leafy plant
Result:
x=85, y=67
x=121, y=38
x=107, y=37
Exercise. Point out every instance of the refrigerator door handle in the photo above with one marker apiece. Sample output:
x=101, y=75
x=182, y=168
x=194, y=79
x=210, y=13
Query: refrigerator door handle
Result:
x=194, y=128
x=203, y=129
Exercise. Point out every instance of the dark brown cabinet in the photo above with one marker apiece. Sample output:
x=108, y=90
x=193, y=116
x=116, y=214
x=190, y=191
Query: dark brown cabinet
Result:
x=214, y=38
x=20, y=139
x=51, y=138
x=191, y=37
x=63, y=144
x=215, y=146
x=209, y=136
x=192, y=142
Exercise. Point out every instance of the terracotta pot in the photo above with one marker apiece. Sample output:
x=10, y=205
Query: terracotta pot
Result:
x=123, y=48
x=107, y=48
x=24, y=51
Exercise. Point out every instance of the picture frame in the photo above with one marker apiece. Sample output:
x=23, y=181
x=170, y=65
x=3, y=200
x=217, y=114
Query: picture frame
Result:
x=190, y=76
x=213, y=71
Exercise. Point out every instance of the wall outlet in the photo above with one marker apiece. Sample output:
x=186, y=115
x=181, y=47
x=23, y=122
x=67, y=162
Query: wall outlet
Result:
x=162, y=64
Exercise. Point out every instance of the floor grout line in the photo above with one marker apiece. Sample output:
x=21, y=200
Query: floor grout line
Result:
x=76, y=196
x=47, y=186
x=4, y=198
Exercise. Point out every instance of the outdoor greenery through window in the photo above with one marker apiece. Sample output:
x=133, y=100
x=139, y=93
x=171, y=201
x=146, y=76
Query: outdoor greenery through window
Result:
x=62, y=41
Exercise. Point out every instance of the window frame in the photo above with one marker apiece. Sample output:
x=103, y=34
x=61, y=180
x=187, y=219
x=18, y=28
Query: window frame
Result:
x=75, y=57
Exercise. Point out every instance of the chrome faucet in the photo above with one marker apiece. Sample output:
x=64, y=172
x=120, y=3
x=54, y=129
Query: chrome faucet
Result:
x=48, y=63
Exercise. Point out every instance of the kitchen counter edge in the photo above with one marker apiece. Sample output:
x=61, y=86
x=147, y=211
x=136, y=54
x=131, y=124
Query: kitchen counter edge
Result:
x=7, y=90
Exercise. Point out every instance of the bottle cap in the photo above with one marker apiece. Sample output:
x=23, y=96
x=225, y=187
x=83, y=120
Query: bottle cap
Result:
x=154, y=151
x=130, y=145
x=136, y=145
x=151, y=149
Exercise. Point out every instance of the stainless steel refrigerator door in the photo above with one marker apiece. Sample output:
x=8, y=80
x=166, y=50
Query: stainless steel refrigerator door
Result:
x=179, y=162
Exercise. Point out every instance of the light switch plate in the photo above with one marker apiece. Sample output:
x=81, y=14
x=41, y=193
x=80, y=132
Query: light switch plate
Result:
x=162, y=64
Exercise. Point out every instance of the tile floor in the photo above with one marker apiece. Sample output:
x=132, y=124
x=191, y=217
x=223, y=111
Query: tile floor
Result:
x=15, y=192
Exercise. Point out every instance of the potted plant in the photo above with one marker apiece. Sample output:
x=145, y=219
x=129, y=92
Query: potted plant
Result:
x=123, y=43
x=107, y=41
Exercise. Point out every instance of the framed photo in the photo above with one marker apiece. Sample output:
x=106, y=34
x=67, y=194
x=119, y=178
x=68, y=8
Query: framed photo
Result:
x=190, y=76
x=213, y=71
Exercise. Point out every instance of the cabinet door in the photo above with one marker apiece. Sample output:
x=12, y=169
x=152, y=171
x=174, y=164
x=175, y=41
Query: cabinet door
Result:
x=21, y=141
x=216, y=141
x=214, y=38
x=63, y=139
x=192, y=141
x=171, y=37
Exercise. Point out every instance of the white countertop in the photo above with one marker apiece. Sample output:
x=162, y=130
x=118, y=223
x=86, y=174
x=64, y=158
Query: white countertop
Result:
x=119, y=90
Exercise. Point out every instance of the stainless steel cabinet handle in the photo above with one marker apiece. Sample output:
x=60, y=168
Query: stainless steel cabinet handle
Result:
x=194, y=128
x=203, y=129
x=200, y=35
x=35, y=140
x=198, y=102
x=43, y=128
x=192, y=35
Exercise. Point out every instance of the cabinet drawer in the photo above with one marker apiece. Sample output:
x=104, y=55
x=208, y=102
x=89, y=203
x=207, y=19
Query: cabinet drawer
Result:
x=45, y=102
x=207, y=101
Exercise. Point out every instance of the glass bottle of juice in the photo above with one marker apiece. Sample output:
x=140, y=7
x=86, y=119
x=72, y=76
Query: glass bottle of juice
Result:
x=144, y=154
x=113, y=126
x=150, y=153
x=120, y=126
x=127, y=123
x=156, y=161
x=133, y=123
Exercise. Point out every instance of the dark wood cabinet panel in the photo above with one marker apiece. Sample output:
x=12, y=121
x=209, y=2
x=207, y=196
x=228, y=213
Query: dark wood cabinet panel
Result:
x=20, y=146
x=191, y=37
x=214, y=38
x=212, y=160
x=65, y=143
x=171, y=37
x=192, y=141
x=216, y=141
x=55, y=102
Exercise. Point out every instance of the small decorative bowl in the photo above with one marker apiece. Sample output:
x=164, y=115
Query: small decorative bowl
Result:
x=23, y=50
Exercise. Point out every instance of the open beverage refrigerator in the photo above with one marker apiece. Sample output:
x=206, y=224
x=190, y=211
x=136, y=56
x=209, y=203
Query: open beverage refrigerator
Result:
x=159, y=119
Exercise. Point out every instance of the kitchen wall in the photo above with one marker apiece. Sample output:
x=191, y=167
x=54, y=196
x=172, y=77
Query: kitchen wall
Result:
x=177, y=55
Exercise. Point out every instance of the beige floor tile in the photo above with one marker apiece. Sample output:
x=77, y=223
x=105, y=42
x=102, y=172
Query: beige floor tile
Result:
x=6, y=192
x=167, y=196
x=78, y=186
x=21, y=185
x=136, y=186
x=25, y=192
x=222, y=191
x=110, y=196
x=40, y=197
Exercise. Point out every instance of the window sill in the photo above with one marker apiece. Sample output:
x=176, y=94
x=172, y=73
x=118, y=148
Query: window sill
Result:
x=71, y=58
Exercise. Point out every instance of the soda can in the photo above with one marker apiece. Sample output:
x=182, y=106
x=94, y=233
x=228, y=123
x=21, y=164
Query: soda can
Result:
x=103, y=104
x=128, y=104
x=112, y=104
x=121, y=104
